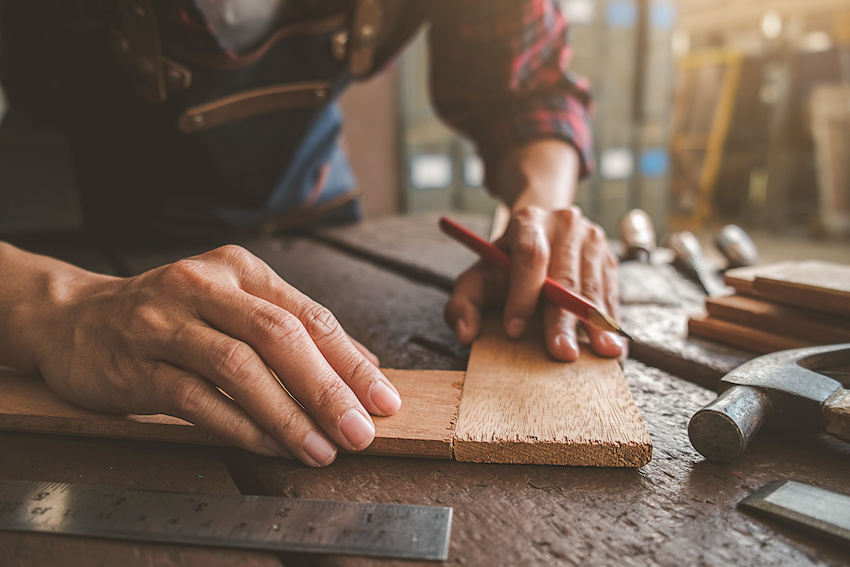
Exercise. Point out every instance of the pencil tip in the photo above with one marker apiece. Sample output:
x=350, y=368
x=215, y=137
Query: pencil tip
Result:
x=601, y=320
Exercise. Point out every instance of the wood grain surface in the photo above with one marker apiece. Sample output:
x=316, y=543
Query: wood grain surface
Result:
x=521, y=406
x=422, y=427
x=677, y=510
x=741, y=279
x=755, y=340
x=803, y=324
x=813, y=284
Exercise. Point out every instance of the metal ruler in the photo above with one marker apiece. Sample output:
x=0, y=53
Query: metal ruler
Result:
x=253, y=522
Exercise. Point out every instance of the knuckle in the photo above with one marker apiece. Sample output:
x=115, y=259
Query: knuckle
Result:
x=230, y=360
x=147, y=319
x=362, y=370
x=235, y=254
x=185, y=272
x=532, y=249
x=319, y=322
x=187, y=395
x=279, y=326
x=244, y=430
x=528, y=214
x=286, y=426
x=591, y=287
x=595, y=233
x=568, y=216
x=329, y=395
x=569, y=281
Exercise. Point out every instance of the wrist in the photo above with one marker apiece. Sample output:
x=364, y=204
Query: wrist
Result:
x=543, y=173
x=35, y=304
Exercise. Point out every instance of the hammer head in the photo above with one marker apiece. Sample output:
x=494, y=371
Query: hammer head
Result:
x=781, y=391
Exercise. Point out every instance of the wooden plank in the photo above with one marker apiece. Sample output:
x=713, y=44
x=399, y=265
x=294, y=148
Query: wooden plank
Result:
x=741, y=279
x=677, y=510
x=803, y=324
x=422, y=427
x=741, y=336
x=521, y=406
x=813, y=284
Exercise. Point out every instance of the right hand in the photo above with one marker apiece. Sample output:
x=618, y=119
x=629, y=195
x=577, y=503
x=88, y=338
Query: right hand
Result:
x=214, y=339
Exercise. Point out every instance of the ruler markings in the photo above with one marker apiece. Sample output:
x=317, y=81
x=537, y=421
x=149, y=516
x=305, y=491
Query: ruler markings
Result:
x=257, y=522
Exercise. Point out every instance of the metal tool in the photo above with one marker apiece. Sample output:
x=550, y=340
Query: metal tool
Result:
x=253, y=522
x=637, y=233
x=814, y=509
x=785, y=390
x=737, y=246
x=691, y=260
x=640, y=280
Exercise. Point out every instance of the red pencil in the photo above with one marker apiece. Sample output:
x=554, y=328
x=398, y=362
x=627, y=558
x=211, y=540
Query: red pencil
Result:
x=552, y=290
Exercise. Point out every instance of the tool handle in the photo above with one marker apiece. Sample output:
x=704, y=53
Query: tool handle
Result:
x=836, y=415
x=722, y=430
x=637, y=234
x=737, y=246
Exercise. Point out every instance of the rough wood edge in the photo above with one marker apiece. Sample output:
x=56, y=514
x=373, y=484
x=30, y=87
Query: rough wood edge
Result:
x=802, y=295
x=794, y=322
x=76, y=421
x=547, y=453
x=741, y=336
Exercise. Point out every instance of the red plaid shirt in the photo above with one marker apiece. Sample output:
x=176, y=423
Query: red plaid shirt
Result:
x=499, y=68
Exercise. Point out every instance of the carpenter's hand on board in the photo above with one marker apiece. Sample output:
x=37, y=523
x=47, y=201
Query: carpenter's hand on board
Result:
x=561, y=244
x=211, y=339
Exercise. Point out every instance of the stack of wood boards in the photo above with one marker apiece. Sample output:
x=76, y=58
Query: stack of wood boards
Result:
x=513, y=405
x=780, y=306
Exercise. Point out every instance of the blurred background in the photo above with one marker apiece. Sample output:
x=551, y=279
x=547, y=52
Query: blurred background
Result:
x=707, y=112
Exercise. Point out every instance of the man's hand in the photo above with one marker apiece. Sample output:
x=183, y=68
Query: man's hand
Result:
x=221, y=341
x=546, y=236
x=562, y=245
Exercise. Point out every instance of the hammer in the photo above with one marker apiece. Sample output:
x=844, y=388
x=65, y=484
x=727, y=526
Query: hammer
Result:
x=784, y=391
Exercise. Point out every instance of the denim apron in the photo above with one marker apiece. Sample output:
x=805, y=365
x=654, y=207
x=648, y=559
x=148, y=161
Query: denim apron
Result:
x=251, y=145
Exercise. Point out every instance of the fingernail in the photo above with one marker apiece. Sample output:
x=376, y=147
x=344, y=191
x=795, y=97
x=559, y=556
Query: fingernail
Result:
x=516, y=327
x=322, y=451
x=564, y=342
x=274, y=447
x=385, y=396
x=460, y=330
x=609, y=340
x=357, y=429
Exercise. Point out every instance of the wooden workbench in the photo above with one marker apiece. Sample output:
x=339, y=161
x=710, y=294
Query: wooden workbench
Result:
x=387, y=281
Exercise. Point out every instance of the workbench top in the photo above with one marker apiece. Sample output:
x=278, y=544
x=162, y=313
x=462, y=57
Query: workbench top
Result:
x=387, y=281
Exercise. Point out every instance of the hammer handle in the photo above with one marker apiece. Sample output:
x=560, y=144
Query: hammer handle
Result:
x=836, y=415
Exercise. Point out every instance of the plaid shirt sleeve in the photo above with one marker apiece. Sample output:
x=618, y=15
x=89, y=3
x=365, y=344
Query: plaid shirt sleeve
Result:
x=499, y=74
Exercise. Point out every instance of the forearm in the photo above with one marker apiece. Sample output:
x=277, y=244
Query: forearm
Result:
x=543, y=174
x=31, y=288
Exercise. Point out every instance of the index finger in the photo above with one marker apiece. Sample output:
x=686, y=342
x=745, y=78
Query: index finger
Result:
x=369, y=384
x=529, y=250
